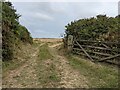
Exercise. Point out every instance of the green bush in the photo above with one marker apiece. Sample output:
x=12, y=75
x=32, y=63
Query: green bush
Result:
x=101, y=28
x=12, y=31
x=7, y=45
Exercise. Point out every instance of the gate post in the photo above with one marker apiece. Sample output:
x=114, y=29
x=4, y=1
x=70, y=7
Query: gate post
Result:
x=70, y=43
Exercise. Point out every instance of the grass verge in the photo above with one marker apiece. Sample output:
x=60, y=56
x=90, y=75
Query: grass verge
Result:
x=21, y=55
x=98, y=75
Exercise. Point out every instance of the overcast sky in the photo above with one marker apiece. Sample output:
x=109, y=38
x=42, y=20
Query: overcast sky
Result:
x=48, y=19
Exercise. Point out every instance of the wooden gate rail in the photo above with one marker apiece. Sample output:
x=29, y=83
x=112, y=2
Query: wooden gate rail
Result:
x=104, y=42
x=84, y=51
x=102, y=54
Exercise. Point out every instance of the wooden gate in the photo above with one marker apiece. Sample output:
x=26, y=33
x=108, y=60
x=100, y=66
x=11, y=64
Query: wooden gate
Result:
x=98, y=50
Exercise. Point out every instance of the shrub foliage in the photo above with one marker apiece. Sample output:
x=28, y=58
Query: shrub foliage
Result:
x=12, y=31
x=100, y=28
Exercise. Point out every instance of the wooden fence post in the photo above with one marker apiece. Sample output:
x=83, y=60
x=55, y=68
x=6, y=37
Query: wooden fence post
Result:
x=70, y=43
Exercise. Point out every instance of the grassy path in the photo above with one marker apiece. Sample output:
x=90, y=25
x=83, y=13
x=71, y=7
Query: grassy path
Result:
x=45, y=65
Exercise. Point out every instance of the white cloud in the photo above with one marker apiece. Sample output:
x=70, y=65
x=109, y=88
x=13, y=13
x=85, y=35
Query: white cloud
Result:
x=119, y=8
x=64, y=0
x=42, y=16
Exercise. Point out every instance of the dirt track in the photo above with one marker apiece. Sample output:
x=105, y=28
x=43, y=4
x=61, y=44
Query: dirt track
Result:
x=55, y=72
x=70, y=78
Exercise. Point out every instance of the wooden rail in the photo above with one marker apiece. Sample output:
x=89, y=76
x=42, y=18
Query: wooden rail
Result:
x=111, y=57
x=84, y=51
x=105, y=42
x=102, y=54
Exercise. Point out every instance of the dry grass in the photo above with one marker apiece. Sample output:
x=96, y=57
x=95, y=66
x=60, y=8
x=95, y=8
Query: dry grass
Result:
x=48, y=39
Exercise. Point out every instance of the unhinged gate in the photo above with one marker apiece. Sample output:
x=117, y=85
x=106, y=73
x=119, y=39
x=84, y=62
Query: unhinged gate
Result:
x=97, y=50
